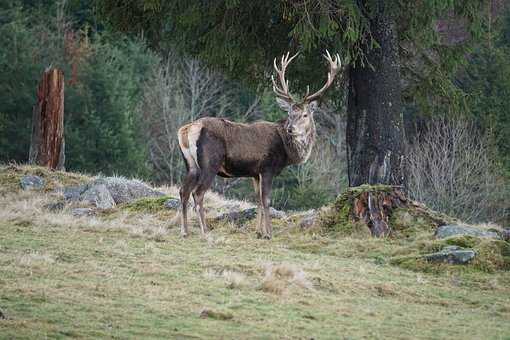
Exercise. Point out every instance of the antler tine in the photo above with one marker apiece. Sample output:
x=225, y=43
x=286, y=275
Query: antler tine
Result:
x=282, y=91
x=334, y=67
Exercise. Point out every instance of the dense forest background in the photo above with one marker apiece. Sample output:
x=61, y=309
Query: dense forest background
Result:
x=129, y=88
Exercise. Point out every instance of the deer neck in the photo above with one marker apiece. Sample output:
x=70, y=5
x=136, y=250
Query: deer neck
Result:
x=298, y=146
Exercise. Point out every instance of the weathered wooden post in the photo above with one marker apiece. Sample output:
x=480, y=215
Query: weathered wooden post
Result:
x=47, y=144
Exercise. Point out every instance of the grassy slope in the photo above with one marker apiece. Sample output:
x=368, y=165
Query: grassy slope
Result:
x=124, y=276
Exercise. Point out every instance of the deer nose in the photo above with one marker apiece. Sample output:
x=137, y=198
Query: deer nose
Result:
x=289, y=129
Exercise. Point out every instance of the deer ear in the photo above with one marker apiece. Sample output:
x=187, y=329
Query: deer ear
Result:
x=284, y=104
x=313, y=106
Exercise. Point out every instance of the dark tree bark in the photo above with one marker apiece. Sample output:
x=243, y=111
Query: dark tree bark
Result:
x=374, y=118
x=47, y=144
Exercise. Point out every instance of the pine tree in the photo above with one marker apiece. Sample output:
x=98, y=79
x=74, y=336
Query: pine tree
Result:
x=242, y=38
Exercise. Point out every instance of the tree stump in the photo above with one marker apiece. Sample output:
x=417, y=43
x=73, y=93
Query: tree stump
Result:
x=374, y=208
x=377, y=209
x=47, y=143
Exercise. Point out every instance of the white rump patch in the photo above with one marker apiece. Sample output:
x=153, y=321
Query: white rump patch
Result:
x=190, y=152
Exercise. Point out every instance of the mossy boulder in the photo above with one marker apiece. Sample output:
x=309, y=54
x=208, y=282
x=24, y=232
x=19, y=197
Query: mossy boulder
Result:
x=490, y=254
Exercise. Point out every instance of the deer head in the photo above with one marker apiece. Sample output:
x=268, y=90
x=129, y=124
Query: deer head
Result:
x=300, y=113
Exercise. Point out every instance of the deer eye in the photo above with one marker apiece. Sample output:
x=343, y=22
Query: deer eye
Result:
x=305, y=115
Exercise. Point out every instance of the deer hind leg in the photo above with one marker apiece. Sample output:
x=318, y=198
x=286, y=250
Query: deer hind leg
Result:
x=198, y=196
x=210, y=155
x=188, y=136
x=266, y=181
x=189, y=184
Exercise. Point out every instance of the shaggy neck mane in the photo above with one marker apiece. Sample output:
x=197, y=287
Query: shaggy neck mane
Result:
x=298, y=147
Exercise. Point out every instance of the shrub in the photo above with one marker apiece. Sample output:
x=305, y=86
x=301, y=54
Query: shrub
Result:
x=451, y=169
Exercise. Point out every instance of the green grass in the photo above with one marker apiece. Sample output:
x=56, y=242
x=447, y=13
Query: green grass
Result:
x=62, y=277
x=100, y=283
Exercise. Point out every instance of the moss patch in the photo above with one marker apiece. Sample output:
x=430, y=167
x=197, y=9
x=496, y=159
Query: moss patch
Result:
x=154, y=206
x=409, y=221
x=148, y=204
x=10, y=176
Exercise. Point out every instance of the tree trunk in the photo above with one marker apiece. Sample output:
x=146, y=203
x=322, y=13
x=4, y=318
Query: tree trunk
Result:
x=374, y=119
x=47, y=144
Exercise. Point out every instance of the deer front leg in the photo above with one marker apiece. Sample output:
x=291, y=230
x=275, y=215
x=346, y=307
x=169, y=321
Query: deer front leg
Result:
x=256, y=187
x=266, y=181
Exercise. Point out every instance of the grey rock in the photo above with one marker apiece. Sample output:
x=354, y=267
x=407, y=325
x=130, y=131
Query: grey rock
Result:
x=106, y=192
x=30, y=182
x=308, y=220
x=73, y=194
x=173, y=204
x=458, y=230
x=232, y=207
x=124, y=190
x=99, y=196
x=54, y=207
x=78, y=212
x=238, y=217
x=505, y=235
x=452, y=255
x=277, y=213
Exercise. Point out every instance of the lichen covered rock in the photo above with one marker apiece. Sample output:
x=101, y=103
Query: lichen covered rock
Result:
x=238, y=217
x=31, y=182
x=124, y=190
x=99, y=196
x=459, y=230
x=452, y=255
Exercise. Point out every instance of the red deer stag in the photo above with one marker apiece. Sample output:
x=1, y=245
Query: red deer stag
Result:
x=215, y=146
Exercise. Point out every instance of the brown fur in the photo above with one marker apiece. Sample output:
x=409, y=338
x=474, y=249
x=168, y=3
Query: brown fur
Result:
x=216, y=146
x=259, y=150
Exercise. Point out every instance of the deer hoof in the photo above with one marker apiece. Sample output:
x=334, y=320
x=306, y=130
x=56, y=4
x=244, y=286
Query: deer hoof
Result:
x=184, y=234
x=264, y=236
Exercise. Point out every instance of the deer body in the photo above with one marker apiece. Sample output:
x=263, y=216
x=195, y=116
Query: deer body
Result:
x=261, y=150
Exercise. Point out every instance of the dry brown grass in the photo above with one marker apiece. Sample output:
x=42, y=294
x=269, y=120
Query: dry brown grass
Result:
x=279, y=277
x=232, y=279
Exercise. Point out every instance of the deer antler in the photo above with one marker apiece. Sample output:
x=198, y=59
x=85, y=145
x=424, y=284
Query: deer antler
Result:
x=334, y=67
x=283, y=90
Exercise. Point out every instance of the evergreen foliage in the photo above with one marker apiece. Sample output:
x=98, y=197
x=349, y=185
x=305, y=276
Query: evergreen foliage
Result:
x=242, y=37
x=487, y=84
x=104, y=75
x=109, y=74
